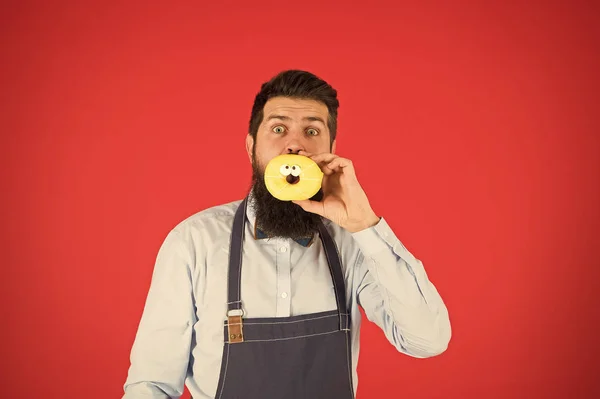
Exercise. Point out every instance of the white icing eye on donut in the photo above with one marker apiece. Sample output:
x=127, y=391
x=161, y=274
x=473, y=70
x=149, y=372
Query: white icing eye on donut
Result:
x=285, y=170
x=296, y=170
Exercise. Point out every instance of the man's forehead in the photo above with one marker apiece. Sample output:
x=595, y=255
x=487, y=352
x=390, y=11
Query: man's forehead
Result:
x=295, y=108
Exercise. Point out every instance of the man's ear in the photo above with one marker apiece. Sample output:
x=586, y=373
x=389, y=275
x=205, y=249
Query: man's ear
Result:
x=249, y=146
x=333, y=147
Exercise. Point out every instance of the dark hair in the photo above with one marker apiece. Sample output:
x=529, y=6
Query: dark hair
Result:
x=295, y=84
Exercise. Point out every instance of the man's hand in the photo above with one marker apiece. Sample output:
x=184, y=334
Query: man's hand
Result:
x=344, y=201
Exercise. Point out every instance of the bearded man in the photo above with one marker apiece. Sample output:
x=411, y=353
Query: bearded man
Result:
x=260, y=298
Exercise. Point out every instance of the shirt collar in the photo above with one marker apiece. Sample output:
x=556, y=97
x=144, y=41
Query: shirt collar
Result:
x=258, y=234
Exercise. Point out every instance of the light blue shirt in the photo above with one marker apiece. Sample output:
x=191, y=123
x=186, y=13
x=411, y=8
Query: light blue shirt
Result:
x=180, y=336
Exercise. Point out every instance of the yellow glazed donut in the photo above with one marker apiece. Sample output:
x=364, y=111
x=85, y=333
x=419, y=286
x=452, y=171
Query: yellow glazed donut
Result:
x=293, y=177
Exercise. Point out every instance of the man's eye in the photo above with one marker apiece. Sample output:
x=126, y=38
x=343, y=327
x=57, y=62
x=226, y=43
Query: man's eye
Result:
x=278, y=129
x=312, y=132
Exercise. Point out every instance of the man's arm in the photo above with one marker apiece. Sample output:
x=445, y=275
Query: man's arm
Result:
x=394, y=289
x=396, y=294
x=161, y=350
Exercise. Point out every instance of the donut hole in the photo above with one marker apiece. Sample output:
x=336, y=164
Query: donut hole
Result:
x=292, y=179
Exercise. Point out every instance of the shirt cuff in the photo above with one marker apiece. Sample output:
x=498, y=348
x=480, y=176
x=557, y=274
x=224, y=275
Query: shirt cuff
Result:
x=375, y=239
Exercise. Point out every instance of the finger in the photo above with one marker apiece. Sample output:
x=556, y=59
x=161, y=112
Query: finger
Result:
x=326, y=171
x=321, y=157
x=310, y=206
x=339, y=163
x=325, y=157
x=321, y=160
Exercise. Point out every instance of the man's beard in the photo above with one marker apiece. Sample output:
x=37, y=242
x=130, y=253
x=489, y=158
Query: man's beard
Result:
x=278, y=218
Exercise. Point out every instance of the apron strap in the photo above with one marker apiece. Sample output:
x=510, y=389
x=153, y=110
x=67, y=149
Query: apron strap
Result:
x=335, y=267
x=234, y=304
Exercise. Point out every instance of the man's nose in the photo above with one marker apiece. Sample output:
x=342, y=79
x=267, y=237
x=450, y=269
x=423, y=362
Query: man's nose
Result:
x=294, y=149
x=294, y=146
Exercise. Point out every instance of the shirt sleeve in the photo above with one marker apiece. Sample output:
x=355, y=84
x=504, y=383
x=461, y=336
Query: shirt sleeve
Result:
x=396, y=294
x=161, y=349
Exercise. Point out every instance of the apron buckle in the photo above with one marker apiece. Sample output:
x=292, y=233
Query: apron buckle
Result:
x=234, y=326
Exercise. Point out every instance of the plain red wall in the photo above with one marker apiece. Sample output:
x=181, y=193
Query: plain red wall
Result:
x=473, y=128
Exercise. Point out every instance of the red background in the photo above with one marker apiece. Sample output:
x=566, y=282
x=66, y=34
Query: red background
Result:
x=473, y=129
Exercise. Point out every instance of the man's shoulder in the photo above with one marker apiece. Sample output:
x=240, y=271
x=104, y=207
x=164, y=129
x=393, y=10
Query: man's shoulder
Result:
x=212, y=218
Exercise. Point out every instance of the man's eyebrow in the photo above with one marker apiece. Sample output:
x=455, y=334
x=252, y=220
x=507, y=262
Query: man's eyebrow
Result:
x=314, y=119
x=282, y=117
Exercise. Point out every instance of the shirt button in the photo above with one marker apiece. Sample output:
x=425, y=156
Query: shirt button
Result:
x=284, y=295
x=282, y=249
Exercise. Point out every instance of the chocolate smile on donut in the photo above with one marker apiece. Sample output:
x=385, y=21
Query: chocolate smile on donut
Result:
x=292, y=179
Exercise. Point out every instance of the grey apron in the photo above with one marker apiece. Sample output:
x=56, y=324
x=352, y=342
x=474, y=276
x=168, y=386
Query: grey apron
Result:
x=297, y=357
